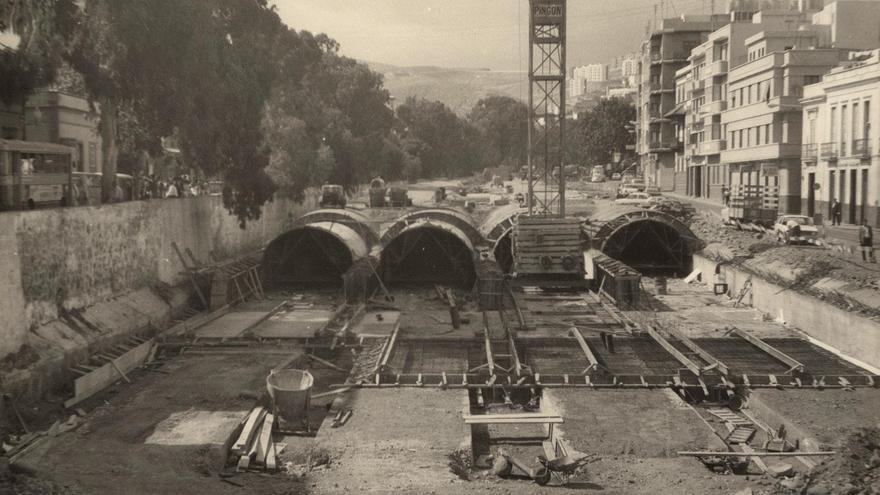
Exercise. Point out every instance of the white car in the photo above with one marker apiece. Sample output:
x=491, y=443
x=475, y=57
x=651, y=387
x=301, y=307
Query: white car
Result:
x=795, y=229
x=634, y=199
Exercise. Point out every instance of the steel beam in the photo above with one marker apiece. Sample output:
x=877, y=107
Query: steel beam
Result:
x=690, y=344
x=794, y=364
x=681, y=358
x=588, y=353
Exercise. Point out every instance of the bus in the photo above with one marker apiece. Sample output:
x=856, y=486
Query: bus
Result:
x=35, y=174
x=88, y=185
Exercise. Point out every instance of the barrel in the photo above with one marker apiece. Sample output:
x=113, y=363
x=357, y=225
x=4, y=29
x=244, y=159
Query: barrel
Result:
x=290, y=391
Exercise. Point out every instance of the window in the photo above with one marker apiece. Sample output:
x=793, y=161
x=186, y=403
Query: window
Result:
x=758, y=137
x=855, y=125
x=842, y=141
x=93, y=157
x=767, y=133
x=832, y=125
x=733, y=99
x=811, y=79
x=866, y=121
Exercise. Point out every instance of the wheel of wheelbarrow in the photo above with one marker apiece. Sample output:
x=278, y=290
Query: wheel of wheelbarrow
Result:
x=542, y=476
x=501, y=467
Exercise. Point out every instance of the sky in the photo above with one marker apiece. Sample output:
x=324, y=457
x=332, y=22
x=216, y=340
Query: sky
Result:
x=486, y=34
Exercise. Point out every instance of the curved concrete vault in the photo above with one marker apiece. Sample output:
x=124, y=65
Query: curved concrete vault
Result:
x=650, y=241
x=319, y=249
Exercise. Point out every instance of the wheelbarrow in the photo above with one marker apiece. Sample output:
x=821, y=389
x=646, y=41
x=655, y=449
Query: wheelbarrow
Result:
x=504, y=464
x=565, y=467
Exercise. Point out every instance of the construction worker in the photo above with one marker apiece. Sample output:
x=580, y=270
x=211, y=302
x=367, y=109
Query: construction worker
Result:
x=866, y=241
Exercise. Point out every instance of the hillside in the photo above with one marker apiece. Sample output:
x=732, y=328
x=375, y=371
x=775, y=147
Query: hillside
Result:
x=459, y=89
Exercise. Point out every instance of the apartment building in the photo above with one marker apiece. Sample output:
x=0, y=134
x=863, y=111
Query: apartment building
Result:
x=840, y=153
x=595, y=72
x=664, y=52
x=707, y=99
x=57, y=117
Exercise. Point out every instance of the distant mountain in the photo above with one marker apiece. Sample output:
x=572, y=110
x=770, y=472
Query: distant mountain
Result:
x=459, y=89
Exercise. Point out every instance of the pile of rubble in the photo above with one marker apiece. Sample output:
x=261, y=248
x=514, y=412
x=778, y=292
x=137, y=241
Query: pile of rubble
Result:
x=854, y=470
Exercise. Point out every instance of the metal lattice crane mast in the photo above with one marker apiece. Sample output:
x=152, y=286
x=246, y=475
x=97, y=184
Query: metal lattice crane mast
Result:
x=545, y=243
x=546, y=178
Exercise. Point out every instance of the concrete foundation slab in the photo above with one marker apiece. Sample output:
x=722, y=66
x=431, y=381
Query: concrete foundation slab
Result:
x=230, y=324
x=299, y=323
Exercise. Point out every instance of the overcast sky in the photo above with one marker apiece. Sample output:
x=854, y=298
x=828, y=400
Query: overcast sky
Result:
x=474, y=33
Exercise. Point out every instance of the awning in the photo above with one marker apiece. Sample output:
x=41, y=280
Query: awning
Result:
x=679, y=109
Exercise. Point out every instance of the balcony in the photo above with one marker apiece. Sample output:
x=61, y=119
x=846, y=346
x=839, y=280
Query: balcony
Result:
x=712, y=147
x=699, y=85
x=717, y=68
x=861, y=148
x=809, y=152
x=828, y=151
x=658, y=146
x=714, y=107
x=655, y=87
x=656, y=57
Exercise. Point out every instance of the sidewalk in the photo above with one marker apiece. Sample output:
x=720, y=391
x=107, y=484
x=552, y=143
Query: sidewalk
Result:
x=846, y=235
x=701, y=204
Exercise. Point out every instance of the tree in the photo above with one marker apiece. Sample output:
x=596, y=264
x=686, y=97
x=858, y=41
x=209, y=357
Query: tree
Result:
x=503, y=123
x=445, y=144
x=333, y=105
x=43, y=27
x=600, y=132
x=207, y=85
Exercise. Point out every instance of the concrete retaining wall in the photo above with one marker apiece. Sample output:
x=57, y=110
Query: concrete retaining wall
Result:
x=74, y=258
x=850, y=333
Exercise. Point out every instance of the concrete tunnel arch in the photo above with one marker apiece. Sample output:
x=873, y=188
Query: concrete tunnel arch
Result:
x=650, y=241
x=318, y=250
x=497, y=228
x=428, y=247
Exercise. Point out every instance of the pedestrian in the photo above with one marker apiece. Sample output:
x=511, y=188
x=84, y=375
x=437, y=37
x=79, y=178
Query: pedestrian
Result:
x=172, y=190
x=866, y=241
x=725, y=193
x=835, y=212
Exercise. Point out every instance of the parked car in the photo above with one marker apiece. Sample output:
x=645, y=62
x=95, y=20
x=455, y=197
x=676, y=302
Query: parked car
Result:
x=332, y=196
x=615, y=176
x=795, y=229
x=634, y=199
x=652, y=191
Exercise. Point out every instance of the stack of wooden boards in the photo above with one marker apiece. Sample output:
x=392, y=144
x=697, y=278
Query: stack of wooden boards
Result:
x=255, y=448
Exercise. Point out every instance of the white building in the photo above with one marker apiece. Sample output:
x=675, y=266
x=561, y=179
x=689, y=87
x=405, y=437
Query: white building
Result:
x=840, y=151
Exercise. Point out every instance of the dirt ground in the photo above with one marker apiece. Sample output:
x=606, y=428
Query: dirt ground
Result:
x=161, y=434
x=641, y=423
x=826, y=415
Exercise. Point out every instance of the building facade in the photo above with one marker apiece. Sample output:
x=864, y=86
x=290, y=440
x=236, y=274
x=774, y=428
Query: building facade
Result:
x=665, y=51
x=841, y=150
x=57, y=117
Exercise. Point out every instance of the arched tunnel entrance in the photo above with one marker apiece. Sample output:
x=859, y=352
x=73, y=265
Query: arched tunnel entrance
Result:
x=649, y=241
x=429, y=253
x=497, y=228
x=314, y=255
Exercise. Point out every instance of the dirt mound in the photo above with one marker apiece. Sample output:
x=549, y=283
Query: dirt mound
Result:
x=854, y=470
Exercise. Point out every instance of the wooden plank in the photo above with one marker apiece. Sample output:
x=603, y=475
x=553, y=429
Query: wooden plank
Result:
x=512, y=346
x=776, y=353
x=478, y=420
x=104, y=376
x=264, y=441
x=721, y=367
x=254, y=419
x=681, y=358
x=754, y=454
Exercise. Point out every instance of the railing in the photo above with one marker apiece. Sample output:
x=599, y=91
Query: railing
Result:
x=656, y=56
x=809, y=151
x=861, y=147
x=656, y=86
x=828, y=151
